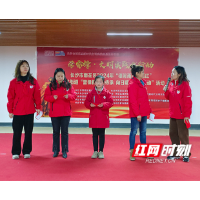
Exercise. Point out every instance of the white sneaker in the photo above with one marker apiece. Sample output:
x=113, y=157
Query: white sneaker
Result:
x=27, y=156
x=95, y=154
x=15, y=157
x=100, y=155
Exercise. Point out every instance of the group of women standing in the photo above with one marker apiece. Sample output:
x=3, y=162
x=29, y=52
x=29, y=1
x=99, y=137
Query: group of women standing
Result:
x=24, y=100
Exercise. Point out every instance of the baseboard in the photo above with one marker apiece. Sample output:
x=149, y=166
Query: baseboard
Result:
x=112, y=125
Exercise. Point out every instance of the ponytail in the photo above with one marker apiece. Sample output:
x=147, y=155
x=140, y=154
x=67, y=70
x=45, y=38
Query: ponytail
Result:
x=136, y=68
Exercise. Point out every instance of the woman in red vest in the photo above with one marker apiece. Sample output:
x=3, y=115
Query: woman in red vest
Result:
x=139, y=107
x=99, y=101
x=180, y=107
x=59, y=93
x=24, y=100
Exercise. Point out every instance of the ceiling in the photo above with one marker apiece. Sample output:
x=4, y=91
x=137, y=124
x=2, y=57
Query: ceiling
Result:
x=93, y=32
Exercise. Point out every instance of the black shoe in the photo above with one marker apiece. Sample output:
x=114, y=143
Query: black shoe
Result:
x=55, y=154
x=173, y=157
x=65, y=155
x=185, y=159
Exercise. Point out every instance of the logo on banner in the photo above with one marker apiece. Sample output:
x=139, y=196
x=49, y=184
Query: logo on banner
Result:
x=156, y=150
x=59, y=53
x=49, y=53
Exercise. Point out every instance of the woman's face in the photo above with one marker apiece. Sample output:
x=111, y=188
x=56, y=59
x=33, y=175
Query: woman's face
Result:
x=140, y=75
x=24, y=68
x=174, y=75
x=60, y=77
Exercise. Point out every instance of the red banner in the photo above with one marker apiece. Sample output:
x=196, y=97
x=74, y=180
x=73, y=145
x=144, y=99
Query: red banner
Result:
x=81, y=65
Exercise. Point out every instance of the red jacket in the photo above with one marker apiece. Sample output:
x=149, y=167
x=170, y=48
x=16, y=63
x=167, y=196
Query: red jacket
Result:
x=179, y=96
x=99, y=117
x=61, y=106
x=23, y=98
x=138, y=98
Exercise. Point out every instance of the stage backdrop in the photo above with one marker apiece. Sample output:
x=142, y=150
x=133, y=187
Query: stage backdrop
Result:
x=81, y=65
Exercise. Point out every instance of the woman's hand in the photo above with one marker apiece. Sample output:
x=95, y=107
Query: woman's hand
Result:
x=100, y=105
x=186, y=119
x=11, y=115
x=66, y=96
x=38, y=111
x=165, y=88
x=139, y=118
x=55, y=96
x=92, y=105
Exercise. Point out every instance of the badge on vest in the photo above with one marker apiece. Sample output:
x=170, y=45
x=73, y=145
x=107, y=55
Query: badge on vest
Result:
x=178, y=91
x=104, y=97
x=31, y=86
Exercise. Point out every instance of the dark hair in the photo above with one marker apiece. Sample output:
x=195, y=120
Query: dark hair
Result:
x=136, y=68
x=183, y=76
x=99, y=76
x=66, y=84
x=18, y=72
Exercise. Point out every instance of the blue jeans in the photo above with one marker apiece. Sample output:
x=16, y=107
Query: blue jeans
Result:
x=134, y=126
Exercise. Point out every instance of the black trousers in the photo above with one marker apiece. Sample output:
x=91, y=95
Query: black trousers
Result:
x=20, y=121
x=57, y=124
x=101, y=133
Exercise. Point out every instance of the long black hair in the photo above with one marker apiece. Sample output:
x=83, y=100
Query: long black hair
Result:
x=66, y=84
x=136, y=68
x=18, y=72
x=183, y=76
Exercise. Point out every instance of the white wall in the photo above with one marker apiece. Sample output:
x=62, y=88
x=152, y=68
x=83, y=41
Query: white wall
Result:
x=190, y=59
x=9, y=56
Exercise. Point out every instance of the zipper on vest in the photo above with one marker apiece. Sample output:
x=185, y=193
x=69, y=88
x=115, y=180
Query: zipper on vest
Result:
x=52, y=106
x=16, y=104
x=180, y=108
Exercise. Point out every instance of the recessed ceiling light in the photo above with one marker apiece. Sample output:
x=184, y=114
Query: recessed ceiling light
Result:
x=129, y=33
